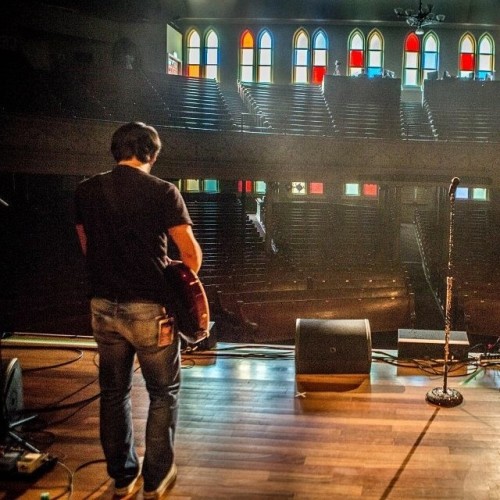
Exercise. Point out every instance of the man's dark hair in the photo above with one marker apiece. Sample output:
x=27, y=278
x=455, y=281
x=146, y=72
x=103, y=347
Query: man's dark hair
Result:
x=135, y=139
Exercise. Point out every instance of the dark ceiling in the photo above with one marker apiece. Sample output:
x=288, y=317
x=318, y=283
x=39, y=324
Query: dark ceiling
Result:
x=473, y=12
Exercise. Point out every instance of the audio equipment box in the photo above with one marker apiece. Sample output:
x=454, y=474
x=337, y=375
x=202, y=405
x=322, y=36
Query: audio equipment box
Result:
x=429, y=344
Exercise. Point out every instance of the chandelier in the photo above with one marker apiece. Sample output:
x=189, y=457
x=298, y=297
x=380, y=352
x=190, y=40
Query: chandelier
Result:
x=421, y=18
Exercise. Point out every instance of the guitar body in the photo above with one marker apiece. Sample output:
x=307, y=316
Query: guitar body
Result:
x=191, y=304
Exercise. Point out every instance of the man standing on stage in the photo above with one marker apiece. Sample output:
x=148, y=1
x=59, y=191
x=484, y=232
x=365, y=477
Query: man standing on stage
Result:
x=123, y=220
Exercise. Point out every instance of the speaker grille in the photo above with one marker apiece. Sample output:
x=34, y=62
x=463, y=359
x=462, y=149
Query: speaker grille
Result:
x=11, y=389
x=332, y=346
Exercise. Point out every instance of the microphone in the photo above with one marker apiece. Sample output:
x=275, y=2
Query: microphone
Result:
x=453, y=186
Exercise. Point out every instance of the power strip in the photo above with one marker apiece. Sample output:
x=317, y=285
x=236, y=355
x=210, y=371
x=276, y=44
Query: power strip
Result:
x=16, y=463
x=29, y=462
x=490, y=357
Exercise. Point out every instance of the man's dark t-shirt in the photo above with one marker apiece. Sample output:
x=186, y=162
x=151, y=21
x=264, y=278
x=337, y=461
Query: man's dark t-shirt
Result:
x=126, y=214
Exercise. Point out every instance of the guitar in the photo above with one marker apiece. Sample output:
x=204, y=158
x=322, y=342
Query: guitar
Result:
x=191, y=304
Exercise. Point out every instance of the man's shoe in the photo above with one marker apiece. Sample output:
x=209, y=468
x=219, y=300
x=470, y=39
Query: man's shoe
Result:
x=127, y=489
x=164, y=485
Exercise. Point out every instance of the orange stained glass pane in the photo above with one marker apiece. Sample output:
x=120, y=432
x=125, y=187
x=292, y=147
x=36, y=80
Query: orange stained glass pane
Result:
x=412, y=43
x=194, y=70
x=466, y=62
x=247, y=40
x=356, y=59
x=318, y=72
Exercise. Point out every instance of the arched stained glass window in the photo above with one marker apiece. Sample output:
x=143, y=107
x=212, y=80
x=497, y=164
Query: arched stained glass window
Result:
x=301, y=57
x=211, y=55
x=431, y=54
x=411, y=61
x=193, y=54
x=247, y=53
x=486, y=57
x=265, y=53
x=356, y=58
x=467, y=60
x=319, y=57
x=375, y=61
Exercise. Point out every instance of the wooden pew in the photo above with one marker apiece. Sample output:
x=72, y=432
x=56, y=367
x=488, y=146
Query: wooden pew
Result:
x=275, y=320
x=482, y=316
x=228, y=302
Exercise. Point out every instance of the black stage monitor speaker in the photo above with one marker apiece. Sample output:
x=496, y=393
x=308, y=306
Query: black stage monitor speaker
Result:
x=332, y=346
x=12, y=399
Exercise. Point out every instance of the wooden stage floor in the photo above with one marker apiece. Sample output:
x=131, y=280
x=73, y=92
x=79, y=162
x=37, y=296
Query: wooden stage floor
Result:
x=248, y=431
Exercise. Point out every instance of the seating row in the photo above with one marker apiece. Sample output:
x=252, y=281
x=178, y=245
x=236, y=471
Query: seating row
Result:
x=266, y=321
x=464, y=110
x=476, y=280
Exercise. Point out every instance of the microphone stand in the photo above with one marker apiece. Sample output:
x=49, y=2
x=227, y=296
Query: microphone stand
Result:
x=443, y=396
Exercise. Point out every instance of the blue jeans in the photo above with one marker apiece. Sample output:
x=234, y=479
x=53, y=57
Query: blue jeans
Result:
x=122, y=330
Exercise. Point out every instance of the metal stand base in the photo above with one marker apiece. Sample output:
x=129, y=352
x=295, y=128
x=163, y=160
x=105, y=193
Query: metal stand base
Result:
x=449, y=398
x=9, y=432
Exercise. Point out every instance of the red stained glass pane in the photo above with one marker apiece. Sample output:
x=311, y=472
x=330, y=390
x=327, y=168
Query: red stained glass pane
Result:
x=466, y=62
x=412, y=43
x=370, y=189
x=356, y=59
x=315, y=188
x=317, y=74
x=248, y=186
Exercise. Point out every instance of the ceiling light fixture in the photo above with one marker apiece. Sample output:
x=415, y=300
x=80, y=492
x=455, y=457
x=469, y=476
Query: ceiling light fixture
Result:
x=421, y=18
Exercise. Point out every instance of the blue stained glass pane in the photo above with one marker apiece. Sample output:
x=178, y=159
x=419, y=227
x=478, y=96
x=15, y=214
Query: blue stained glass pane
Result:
x=352, y=189
x=260, y=187
x=211, y=186
x=374, y=72
x=483, y=75
x=462, y=193
x=430, y=60
x=320, y=41
x=479, y=194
